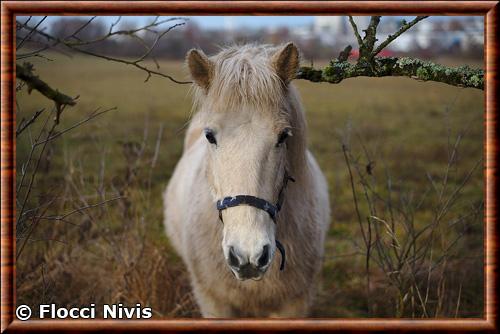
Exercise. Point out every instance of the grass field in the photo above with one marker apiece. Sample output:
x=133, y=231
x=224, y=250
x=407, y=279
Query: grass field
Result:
x=392, y=128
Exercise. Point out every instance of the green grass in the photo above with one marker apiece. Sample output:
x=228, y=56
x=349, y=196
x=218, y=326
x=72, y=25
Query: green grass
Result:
x=405, y=126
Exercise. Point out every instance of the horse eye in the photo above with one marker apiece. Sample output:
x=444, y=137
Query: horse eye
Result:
x=209, y=134
x=283, y=136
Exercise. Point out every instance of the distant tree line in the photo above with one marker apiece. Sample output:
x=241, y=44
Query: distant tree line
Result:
x=181, y=40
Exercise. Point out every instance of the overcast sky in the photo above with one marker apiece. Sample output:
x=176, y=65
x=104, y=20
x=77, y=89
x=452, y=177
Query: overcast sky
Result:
x=215, y=22
x=207, y=22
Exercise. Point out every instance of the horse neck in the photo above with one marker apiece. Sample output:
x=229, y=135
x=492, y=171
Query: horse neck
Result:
x=297, y=151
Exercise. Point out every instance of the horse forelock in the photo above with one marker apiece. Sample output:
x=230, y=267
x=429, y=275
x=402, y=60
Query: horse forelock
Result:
x=244, y=76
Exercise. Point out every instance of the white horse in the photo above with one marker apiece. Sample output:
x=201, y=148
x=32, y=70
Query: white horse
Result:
x=245, y=140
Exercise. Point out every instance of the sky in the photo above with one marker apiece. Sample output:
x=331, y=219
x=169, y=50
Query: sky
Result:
x=211, y=22
x=208, y=22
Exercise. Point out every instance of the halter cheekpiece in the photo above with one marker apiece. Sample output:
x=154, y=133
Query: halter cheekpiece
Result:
x=259, y=203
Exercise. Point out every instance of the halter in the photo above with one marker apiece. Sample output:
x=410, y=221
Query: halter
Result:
x=259, y=203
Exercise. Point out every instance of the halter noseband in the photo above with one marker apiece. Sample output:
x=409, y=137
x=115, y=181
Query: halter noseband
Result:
x=259, y=203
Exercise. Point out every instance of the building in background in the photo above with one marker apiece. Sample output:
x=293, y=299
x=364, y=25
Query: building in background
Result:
x=436, y=34
x=333, y=30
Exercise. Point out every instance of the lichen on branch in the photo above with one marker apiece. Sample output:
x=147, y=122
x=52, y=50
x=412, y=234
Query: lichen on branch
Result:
x=24, y=72
x=336, y=71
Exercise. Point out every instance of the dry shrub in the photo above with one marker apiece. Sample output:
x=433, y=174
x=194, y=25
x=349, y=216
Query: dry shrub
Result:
x=420, y=240
x=123, y=269
x=94, y=239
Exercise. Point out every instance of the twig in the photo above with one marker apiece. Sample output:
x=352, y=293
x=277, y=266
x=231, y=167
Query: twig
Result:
x=30, y=33
x=32, y=228
x=93, y=115
x=24, y=124
x=76, y=46
x=79, y=210
x=130, y=32
x=355, y=198
x=355, y=30
x=401, y=30
x=366, y=239
x=132, y=63
x=24, y=168
x=73, y=35
x=33, y=175
x=458, y=300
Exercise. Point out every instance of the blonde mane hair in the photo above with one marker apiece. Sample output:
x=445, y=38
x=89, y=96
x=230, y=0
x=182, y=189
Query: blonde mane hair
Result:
x=243, y=75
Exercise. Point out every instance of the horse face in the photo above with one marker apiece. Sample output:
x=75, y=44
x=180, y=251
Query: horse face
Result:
x=246, y=157
x=246, y=134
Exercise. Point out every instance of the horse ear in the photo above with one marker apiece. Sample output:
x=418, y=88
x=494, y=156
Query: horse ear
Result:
x=201, y=68
x=286, y=62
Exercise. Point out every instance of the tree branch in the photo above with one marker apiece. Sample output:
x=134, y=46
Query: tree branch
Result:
x=25, y=73
x=401, y=30
x=73, y=43
x=369, y=65
x=30, y=33
x=366, y=47
x=23, y=124
x=336, y=71
x=355, y=30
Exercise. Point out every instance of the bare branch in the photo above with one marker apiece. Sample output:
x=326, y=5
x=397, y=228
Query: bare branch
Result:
x=355, y=30
x=130, y=32
x=159, y=36
x=366, y=48
x=79, y=210
x=24, y=124
x=78, y=44
x=114, y=24
x=132, y=63
x=35, y=170
x=404, y=28
x=73, y=35
x=30, y=33
x=24, y=72
x=93, y=115
x=36, y=53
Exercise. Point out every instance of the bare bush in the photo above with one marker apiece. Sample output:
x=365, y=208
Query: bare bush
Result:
x=79, y=231
x=416, y=258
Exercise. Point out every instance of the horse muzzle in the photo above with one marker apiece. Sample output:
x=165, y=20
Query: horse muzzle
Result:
x=247, y=268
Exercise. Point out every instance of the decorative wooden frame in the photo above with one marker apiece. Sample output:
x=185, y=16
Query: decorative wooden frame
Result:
x=9, y=9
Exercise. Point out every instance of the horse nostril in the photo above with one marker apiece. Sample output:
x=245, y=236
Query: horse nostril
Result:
x=264, y=257
x=233, y=259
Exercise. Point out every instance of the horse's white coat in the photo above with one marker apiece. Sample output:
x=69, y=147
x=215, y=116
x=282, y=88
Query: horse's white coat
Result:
x=243, y=94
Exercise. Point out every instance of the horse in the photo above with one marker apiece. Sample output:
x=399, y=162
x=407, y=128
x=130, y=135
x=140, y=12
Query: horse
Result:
x=246, y=189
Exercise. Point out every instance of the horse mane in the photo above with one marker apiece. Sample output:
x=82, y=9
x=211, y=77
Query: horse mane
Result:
x=243, y=75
